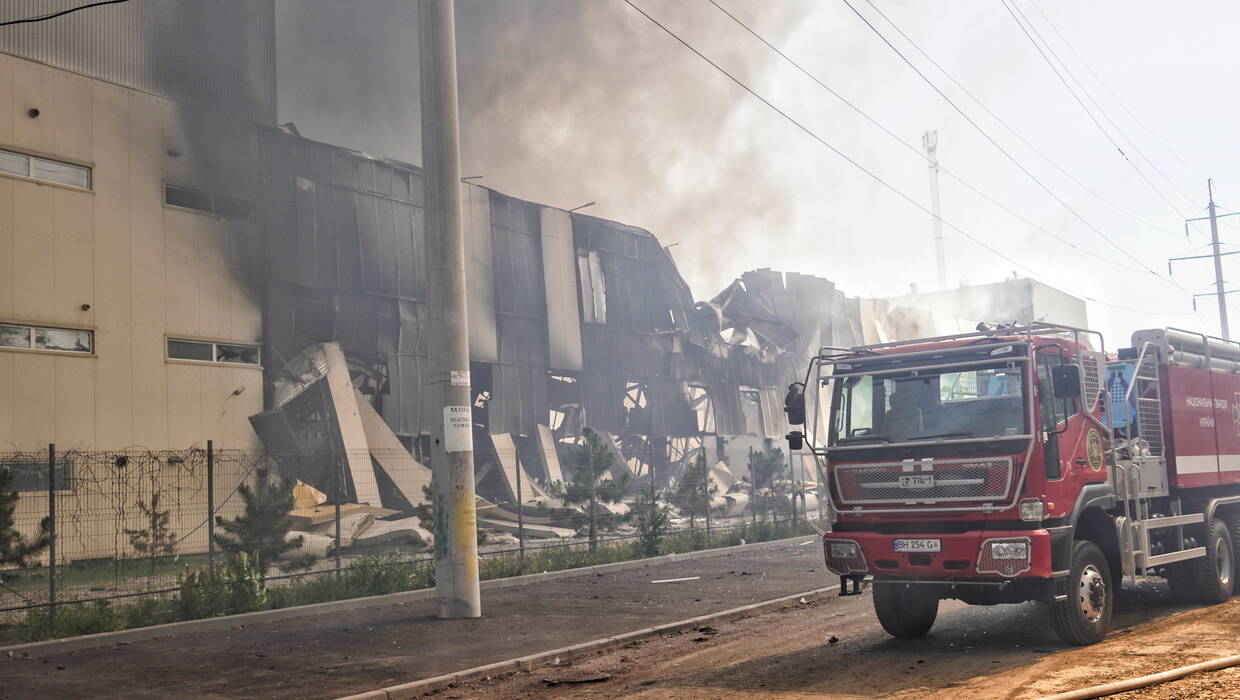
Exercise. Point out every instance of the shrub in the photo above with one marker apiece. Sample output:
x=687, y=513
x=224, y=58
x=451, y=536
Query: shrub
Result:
x=238, y=587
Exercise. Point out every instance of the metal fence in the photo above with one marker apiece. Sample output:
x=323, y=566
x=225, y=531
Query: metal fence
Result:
x=129, y=523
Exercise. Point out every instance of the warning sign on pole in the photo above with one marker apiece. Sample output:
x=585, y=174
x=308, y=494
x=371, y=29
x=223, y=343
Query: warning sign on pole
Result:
x=458, y=429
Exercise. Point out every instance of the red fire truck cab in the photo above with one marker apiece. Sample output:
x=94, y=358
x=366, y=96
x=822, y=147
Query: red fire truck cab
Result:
x=1017, y=463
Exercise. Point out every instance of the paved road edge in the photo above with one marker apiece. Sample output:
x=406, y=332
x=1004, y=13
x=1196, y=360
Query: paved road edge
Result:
x=142, y=634
x=418, y=688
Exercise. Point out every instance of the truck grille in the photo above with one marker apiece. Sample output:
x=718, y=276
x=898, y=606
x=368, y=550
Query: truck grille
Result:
x=924, y=481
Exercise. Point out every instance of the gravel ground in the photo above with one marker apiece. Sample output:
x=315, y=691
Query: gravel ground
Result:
x=1006, y=651
x=1215, y=685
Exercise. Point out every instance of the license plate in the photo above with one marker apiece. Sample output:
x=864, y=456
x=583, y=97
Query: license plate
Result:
x=917, y=545
x=916, y=481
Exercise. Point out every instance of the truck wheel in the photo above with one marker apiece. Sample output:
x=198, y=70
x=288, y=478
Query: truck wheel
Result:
x=1086, y=614
x=905, y=611
x=1213, y=576
x=1233, y=526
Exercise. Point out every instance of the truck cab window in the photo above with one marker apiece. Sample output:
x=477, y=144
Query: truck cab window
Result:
x=1052, y=411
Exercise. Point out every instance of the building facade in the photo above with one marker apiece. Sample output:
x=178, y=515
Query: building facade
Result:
x=127, y=217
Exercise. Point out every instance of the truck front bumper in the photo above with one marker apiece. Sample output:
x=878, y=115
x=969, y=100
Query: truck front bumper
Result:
x=981, y=554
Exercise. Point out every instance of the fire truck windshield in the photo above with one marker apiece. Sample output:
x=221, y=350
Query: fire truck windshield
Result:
x=928, y=405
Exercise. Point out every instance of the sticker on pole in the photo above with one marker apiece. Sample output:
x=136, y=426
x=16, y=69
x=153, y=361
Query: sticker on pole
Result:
x=458, y=429
x=458, y=377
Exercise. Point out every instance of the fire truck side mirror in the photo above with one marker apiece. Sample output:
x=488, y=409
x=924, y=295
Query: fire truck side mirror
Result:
x=1066, y=381
x=796, y=440
x=794, y=404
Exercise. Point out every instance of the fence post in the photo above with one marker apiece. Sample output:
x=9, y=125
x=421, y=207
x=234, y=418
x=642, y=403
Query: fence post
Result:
x=211, y=509
x=336, y=498
x=793, y=477
x=520, y=519
x=51, y=542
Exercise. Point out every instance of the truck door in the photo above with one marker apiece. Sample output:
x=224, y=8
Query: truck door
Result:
x=1072, y=447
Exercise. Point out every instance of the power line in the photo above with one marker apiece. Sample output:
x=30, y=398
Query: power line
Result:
x=1014, y=10
x=1063, y=171
x=1108, y=90
x=1124, y=251
x=62, y=13
x=861, y=167
x=912, y=148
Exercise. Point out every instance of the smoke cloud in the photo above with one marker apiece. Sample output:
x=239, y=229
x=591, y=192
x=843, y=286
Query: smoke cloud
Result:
x=565, y=103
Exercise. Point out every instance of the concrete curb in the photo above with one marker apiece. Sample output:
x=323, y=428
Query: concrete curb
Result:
x=142, y=634
x=415, y=689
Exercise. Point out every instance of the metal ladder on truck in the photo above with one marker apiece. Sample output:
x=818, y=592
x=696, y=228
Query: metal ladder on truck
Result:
x=1147, y=451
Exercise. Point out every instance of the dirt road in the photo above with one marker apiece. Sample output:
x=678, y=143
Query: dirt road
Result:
x=999, y=652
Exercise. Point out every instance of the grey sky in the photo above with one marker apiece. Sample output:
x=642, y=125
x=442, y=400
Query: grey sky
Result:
x=566, y=102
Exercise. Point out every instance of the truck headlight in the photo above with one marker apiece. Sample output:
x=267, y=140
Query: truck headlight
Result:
x=844, y=550
x=1009, y=550
x=1032, y=510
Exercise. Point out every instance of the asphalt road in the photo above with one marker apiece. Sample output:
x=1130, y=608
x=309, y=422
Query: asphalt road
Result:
x=338, y=654
x=973, y=652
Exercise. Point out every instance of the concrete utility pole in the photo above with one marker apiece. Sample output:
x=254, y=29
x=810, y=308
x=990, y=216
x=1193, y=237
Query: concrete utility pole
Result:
x=456, y=525
x=1218, y=266
x=930, y=141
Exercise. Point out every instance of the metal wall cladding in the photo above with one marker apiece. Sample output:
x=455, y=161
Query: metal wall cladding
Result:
x=219, y=53
x=340, y=221
x=519, y=379
x=649, y=308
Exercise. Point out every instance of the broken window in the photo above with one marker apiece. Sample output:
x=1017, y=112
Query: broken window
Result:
x=593, y=287
x=699, y=401
x=63, y=339
x=215, y=205
x=205, y=351
x=635, y=395
x=37, y=338
x=14, y=336
x=751, y=408
x=239, y=354
x=44, y=169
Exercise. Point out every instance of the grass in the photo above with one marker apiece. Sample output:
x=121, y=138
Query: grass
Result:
x=109, y=574
x=244, y=590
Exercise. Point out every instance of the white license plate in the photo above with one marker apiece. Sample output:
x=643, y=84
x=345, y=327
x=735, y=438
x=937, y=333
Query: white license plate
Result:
x=916, y=481
x=917, y=545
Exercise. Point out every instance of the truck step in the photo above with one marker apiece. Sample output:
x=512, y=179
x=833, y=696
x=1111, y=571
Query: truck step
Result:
x=1171, y=557
x=1173, y=521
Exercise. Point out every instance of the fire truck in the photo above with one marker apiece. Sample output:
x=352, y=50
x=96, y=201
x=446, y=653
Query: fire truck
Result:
x=1023, y=463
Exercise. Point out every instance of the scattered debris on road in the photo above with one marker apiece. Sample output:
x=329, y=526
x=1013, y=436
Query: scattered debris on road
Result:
x=577, y=678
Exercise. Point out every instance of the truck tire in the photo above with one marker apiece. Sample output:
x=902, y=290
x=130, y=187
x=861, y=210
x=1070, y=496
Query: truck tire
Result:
x=1085, y=616
x=1213, y=576
x=1233, y=526
x=905, y=611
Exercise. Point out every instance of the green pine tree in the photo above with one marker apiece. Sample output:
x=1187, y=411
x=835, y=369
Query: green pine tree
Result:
x=586, y=486
x=16, y=550
x=157, y=538
x=695, y=490
x=766, y=471
x=262, y=530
